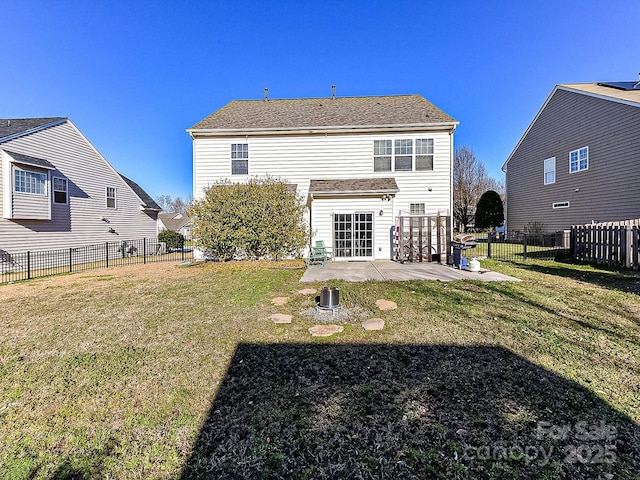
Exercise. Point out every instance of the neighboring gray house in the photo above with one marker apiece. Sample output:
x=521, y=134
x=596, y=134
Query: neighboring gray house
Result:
x=578, y=162
x=358, y=162
x=57, y=191
x=175, y=221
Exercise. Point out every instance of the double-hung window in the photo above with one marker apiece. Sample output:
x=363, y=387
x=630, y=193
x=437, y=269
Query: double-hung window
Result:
x=111, y=197
x=403, y=155
x=550, y=170
x=579, y=160
x=27, y=181
x=59, y=190
x=382, y=155
x=239, y=159
x=424, y=154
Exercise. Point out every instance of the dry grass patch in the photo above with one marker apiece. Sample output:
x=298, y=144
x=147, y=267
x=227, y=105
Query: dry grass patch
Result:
x=111, y=373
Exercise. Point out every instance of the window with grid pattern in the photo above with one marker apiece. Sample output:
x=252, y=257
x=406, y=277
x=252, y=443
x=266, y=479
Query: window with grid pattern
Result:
x=59, y=190
x=382, y=155
x=403, y=160
x=239, y=159
x=424, y=154
x=111, y=197
x=579, y=160
x=30, y=182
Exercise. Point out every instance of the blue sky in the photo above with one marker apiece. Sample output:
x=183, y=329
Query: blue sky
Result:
x=134, y=75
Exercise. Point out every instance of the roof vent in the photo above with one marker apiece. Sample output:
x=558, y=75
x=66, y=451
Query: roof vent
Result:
x=266, y=94
x=333, y=92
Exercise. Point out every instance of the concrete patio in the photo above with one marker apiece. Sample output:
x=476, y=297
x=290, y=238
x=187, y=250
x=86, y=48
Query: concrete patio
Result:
x=388, y=270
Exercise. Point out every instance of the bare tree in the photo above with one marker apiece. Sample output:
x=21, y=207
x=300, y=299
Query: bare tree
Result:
x=173, y=205
x=470, y=181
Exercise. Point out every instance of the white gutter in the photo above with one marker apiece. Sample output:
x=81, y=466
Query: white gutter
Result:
x=194, y=132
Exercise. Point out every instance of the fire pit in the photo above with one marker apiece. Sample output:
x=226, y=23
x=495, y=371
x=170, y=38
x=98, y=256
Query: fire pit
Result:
x=329, y=300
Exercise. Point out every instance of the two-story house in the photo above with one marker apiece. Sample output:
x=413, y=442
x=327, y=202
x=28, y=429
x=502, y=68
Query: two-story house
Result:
x=57, y=191
x=577, y=162
x=358, y=162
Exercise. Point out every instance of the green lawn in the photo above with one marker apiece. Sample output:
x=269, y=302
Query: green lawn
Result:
x=159, y=371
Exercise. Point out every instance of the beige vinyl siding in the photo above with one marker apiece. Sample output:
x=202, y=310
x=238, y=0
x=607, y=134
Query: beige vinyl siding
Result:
x=78, y=222
x=606, y=191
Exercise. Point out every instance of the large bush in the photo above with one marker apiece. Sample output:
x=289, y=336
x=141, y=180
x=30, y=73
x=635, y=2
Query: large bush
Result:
x=262, y=218
x=173, y=239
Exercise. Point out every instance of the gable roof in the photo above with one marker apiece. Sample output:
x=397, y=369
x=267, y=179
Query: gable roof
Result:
x=147, y=202
x=353, y=186
x=174, y=221
x=323, y=113
x=15, y=127
x=604, y=91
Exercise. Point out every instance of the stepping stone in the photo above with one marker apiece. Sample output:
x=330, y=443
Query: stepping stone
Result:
x=325, y=330
x=279, y=300
x=386, y=304
x=281, y=318
x=373, y=324
x=307, y=291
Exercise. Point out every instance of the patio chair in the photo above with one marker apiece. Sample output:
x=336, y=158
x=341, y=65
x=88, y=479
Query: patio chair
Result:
x=318, y=254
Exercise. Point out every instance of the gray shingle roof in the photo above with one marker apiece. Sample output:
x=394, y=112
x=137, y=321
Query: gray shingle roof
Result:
x=172, y=223
x=354, y=186
x=33, y=161
x=325, y=112
x=14, y=126
x=144, y=196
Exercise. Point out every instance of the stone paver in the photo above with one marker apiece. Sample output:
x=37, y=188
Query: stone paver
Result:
x=373, y=324
x=325, y=330
x=281, y=318
x=386, y=304
x=307, y=291
x=279, y=300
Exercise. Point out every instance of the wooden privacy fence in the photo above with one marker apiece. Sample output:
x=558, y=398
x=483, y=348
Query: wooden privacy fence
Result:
x=422, y=238
x=614, y=244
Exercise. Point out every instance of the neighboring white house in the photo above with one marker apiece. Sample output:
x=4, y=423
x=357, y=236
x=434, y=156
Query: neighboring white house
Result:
x=359, y=162
x=57, y=191
x=175, y=221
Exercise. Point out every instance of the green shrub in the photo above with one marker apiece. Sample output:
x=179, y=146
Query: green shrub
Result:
x=173, y=239
x=262, y=218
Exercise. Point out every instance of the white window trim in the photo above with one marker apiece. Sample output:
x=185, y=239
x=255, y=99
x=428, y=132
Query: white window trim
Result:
x=115, y=197
x=414, y=155
x=45, y=189
x=241, y=158
x=53, y=190
x=577, y=151
x=549, y=160
x=557, y=205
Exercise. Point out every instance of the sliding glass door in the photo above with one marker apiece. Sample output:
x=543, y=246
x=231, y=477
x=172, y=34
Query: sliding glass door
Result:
x=353, y=235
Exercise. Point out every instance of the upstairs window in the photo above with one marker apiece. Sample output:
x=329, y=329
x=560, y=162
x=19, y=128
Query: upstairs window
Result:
x=424, y=154
x=111, y=197
x=579, y=160
x=30, y=182
x=239, y=159
x=382, y=155
x=550, y=170
x=404, y=155
x=59, y=190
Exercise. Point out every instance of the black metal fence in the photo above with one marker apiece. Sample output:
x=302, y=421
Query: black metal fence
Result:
x=520, y=247
x=27, y=265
